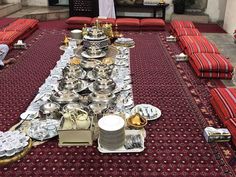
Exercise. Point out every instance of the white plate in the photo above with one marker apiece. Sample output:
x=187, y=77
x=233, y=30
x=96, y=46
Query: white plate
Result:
x=148, y=111
x=84, y=54
x=123, y=149
x=29, y=115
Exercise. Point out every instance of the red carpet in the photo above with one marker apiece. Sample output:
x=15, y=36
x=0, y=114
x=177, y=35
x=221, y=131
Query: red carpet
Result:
x=175, y=145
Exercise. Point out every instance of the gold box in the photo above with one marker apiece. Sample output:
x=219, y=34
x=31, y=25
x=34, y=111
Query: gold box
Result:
x=76, y=137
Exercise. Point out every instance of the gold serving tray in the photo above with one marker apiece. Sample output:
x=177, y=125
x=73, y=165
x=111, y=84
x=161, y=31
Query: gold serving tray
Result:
x=17, y=156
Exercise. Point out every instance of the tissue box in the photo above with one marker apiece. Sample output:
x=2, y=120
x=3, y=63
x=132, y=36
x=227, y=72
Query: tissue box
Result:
x=181, y=57
x=216, y=134
x=19, y=46
x=171, y=39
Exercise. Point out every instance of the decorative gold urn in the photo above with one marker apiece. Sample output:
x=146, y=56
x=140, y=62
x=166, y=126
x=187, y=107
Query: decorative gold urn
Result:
x=107, y=28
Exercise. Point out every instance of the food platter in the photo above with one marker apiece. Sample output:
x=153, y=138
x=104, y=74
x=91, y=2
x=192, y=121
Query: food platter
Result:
x=84, y=54
x=43, y=129
x=148, y=111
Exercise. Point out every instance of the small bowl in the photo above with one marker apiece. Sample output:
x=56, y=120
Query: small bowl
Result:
x=141, y=121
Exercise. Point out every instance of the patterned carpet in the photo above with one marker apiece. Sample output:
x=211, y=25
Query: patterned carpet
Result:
x=175, y=145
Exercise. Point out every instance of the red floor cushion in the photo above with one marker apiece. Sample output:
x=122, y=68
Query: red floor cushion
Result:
x=6, y=42
x=216, y=75
x=224, y=102
x=187, y=32
x=9, y=36
x=200, y=47
x=175, y=24
x=182, y=24
x=104, y=20
x=231, y=125
x=211, y=62
x=22, y=25
x=152, y=24
x=128, y=23
x=185, y=40
x=79, y=20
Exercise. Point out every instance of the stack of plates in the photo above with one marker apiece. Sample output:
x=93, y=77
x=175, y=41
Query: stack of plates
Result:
x=112, y=132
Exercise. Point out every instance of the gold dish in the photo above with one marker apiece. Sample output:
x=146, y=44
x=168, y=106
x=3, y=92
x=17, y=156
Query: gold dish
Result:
x=136, y=121
x=75, y=61
x=108, y=61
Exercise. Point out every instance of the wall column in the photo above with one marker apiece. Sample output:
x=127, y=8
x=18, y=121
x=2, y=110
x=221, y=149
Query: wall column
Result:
x=230, y=20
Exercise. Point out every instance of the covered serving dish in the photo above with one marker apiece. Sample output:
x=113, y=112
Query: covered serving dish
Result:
x=70, y=84
x=102, y=70
x=50, y=110
x=73, y=71
x=65, y=96
x=104, y=85
x=103, y=98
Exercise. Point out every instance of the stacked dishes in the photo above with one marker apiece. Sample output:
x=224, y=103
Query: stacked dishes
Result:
x=125, y=42
x=112, y=132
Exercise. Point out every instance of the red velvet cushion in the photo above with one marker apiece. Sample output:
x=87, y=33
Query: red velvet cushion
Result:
x=216, y=75
x=181, y=24
x=127, y=22
x=101, y=20
x=210, y=62
x=8, y=35
x=79, y=20
x=225, y=99
x=152, y=22
x=187, y=32
x=200, y=47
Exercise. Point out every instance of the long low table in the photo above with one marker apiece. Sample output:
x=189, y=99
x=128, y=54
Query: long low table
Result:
x=154, y=8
